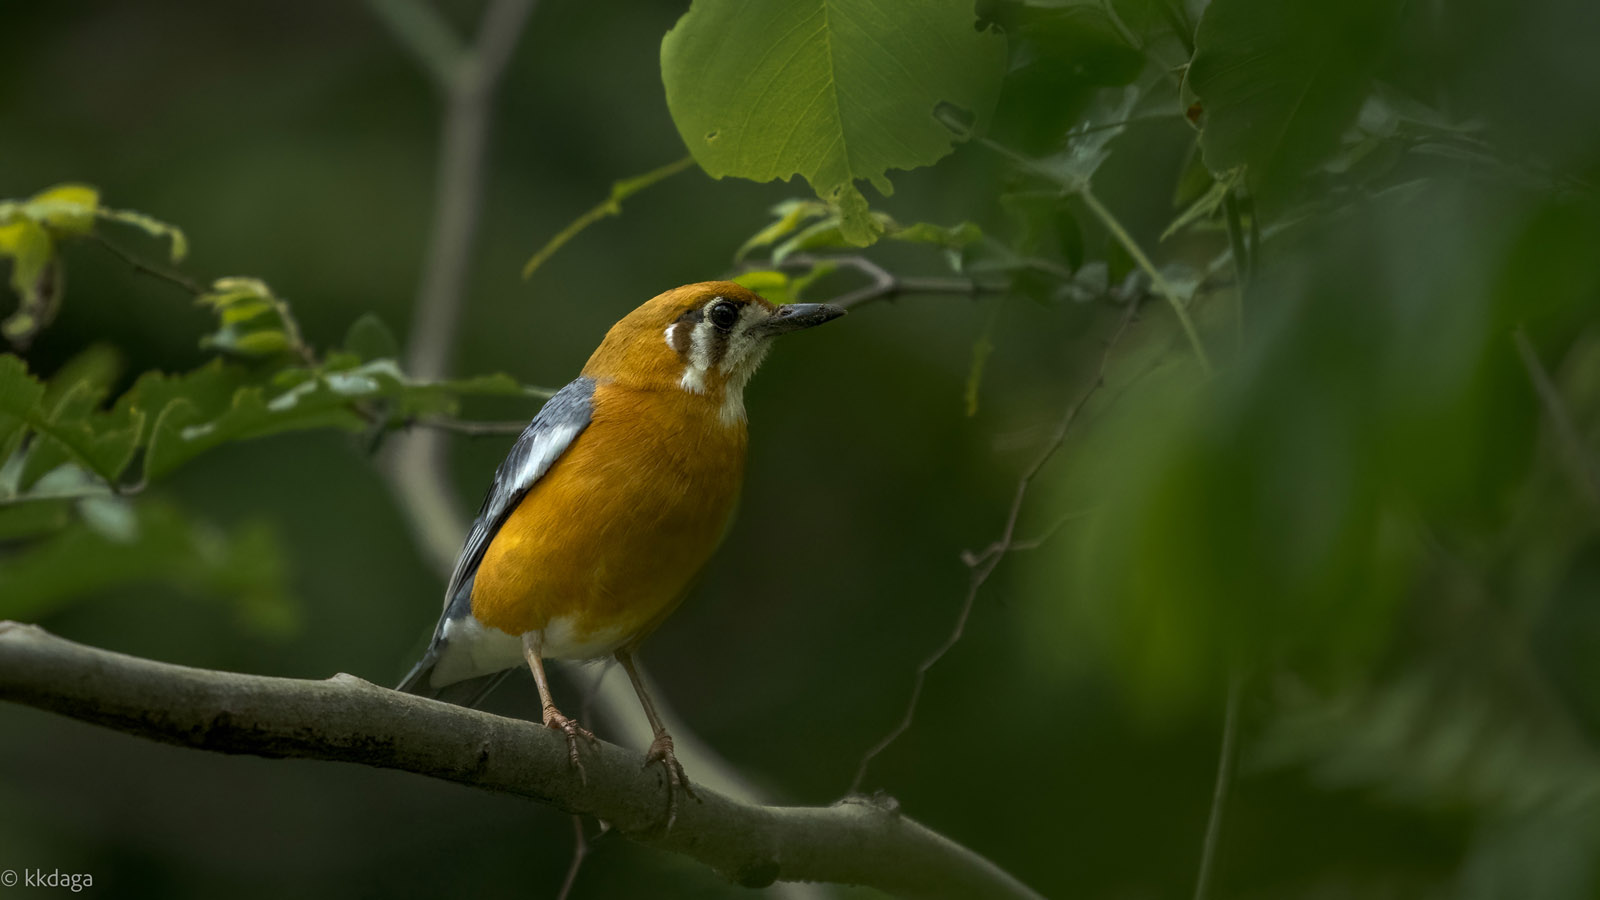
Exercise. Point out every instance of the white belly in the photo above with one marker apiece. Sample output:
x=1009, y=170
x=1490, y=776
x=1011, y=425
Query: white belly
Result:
x=471, y=649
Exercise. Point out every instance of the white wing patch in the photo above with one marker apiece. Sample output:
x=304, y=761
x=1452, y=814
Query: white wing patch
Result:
x=541, y=456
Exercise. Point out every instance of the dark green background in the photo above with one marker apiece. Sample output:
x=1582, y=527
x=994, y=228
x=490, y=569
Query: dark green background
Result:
x=296, y=142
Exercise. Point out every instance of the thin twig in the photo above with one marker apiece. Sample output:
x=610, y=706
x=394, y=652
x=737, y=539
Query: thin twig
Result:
x=580, y=849
x=1080, y=187
x=580, y=844
x=472, y=429
x=611, y=206
x=886, y=285
x=184, y=282
x=417, y=463
x=1219, y=793
x=418, y=27
x=982, y=565
x=84, y=493
x=1580, y=460
x=1157, y=280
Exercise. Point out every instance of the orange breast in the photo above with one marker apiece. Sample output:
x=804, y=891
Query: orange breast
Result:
x=609, y=540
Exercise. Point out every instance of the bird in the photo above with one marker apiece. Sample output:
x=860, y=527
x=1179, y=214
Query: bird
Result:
x=608, y=506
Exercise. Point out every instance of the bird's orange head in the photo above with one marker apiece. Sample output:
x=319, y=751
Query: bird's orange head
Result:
x=705, y=338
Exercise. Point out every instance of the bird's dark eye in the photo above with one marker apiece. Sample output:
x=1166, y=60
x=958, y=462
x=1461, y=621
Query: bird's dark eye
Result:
x=724, y=314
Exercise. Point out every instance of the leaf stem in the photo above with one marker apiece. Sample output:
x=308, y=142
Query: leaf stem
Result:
x=611, y=206
x=1219, y=794
x=1157, y=280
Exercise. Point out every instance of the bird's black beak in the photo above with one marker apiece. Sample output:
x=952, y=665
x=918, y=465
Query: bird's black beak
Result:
x=796, y=316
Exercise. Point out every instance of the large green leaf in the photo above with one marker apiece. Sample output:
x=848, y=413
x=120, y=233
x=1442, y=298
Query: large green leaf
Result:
x=1280, y=81
x=71, y=429
x=191, y=425
x=833, y=90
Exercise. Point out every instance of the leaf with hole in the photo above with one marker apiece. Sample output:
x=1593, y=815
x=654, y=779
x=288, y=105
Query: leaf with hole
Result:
x=836, y=91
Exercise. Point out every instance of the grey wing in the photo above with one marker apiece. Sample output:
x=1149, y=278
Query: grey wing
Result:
x=548, y=436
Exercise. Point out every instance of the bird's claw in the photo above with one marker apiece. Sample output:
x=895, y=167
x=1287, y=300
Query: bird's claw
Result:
x=661, y=752
x=555, y=721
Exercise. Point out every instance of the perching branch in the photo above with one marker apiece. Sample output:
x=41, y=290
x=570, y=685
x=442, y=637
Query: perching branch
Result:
x=982, y=565
x=346, y=719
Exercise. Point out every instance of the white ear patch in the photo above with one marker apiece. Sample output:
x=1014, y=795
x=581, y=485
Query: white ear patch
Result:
x=672, y=332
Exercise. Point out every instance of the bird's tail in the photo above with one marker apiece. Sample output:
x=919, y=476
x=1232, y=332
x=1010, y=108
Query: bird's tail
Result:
x=468, y=693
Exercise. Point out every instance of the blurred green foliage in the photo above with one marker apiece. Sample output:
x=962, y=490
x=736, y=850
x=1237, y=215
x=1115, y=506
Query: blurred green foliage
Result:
x=1379, y=512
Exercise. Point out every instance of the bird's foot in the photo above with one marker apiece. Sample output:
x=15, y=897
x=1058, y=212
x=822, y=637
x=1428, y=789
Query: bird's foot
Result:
x=555, y=721
x=661, y=752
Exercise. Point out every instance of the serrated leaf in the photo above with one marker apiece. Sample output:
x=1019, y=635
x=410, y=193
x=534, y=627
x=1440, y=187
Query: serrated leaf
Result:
x=833, y=90
x=103, y=443
x=185, y=429
x=1279, y=82
x=180, y=435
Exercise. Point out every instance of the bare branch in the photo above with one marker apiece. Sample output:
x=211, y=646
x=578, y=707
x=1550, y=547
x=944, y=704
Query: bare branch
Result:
x=472, y=429
x=418, y=27
x=349, y=720
x=580, y=849
x=982, y=565
x=176, y=279
x=417, y=460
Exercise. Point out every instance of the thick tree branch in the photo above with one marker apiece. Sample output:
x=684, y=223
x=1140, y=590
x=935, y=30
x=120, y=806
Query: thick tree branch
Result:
x=349, y=720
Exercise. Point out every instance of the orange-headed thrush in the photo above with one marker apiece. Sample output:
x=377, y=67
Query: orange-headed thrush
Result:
x=610, y=503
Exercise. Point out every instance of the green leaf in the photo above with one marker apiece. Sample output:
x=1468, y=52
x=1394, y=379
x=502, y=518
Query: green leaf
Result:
x=1206, y=206
x=103, y=442
x=35, y=277
x=153, y=227
x=827, y=234
x=68, y=209
x=1088, y=142
x=833, y=90
x=370, y=339
x=777, y=287
x=255, y=322
x=181, y=434
x=981, y=349
x=192, y=422
x=953, y=237
x=790, y=214
x=1281, y=81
